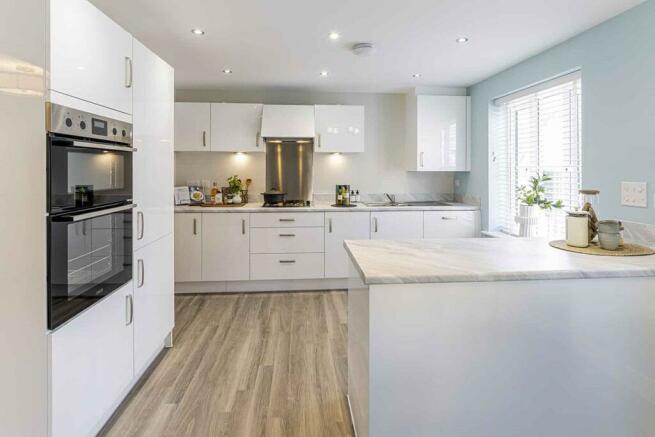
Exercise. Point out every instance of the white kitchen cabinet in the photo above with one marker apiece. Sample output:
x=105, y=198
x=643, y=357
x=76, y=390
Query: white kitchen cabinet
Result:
x=287, y=219
x=154, y=305
x=225, y=246
x=192, y=127
x=188, y=247
x=153, y=139
x=288, y=121
x=396, y=225
x=236, y=127
x=90, y=56
x=451, y=224
x=91, y=365
x=340, y=226
x=438, y=133
x=286, y=240
x=287, y=266
x=339, y=129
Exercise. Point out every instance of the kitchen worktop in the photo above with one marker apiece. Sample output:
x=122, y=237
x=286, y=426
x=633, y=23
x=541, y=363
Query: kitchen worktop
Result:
x=483, y=259
x=326, y=207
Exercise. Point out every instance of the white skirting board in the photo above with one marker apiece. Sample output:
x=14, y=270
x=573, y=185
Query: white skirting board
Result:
x=260, y=286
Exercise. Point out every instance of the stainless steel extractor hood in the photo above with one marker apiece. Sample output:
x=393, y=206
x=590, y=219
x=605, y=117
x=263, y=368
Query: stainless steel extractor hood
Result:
x=289, y=167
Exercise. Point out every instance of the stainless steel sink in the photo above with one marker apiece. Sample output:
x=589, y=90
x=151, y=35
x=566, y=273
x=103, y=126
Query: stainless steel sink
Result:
x=412, y=203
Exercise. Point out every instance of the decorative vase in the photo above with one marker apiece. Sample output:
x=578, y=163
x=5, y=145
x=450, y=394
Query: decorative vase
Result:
x=236, y=198
x=528, y=220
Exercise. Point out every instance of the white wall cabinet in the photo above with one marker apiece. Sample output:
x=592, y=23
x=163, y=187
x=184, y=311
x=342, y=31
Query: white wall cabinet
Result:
x=192, y=127
x=236, y=127
x=396, y=225
x=225, y=247
x=153, y=138
x=188, y=247
x=91, y=359
x=340, y=226
x=438, y=133
x=154, y=304
x=90, y=56
x=451, y=224
x=288, y=121
x=339, y=129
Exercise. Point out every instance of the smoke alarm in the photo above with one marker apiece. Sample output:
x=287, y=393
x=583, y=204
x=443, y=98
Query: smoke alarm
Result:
x=363, y=48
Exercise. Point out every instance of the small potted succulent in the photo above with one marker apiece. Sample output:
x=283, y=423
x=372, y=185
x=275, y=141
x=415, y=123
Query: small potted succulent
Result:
x=533, y=202
x=235, y=186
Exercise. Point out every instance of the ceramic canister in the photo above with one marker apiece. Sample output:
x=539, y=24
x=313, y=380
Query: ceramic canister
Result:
x=577, y=228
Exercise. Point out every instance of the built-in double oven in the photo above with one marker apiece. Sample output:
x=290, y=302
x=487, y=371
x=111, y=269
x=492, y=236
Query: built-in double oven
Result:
x=89, y=209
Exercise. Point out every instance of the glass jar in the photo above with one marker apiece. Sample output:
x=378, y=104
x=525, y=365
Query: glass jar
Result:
x=590, y=197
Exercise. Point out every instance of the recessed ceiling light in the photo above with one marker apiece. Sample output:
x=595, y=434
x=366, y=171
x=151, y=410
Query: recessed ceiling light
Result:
x=324, y=73
x=227, y=71
x=416, y=75
x=334, y=36
x=197, y=31
x=462, y=39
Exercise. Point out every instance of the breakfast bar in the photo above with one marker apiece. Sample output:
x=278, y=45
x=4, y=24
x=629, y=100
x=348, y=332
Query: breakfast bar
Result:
x=499, y=337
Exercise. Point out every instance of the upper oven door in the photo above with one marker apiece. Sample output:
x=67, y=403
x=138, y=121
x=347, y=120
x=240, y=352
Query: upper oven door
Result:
x=84, y=174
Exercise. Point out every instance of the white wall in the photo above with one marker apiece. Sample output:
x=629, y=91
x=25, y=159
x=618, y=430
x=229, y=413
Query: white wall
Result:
x=379, y=169
x=23, y=347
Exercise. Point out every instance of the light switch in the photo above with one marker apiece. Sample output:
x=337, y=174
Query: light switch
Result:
x=634, y=194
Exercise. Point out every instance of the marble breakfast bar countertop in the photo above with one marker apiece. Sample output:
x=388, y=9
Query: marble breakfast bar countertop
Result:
x=482, y=260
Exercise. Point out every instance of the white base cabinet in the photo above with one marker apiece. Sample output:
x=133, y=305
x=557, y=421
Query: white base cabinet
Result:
x=154, y=301
x=396, y=225
x=340, y=226
x=90, y=56
x=91, y=365
x=274, y=266
x=188, y=247
x=225, y=247
x=451, y=224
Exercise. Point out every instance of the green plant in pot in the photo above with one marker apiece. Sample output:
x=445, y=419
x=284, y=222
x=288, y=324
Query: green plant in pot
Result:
x=235, y=186
x=533, y=200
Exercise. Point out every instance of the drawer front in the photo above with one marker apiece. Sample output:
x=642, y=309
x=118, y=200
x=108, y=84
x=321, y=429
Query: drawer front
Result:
x=451, y=224
x=286, y=219
x=286, y=266
x=286, y=240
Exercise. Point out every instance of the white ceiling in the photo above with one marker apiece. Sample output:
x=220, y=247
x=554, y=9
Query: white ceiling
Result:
x=284, y=43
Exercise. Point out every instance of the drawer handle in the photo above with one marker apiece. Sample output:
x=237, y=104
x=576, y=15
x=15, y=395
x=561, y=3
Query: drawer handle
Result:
x=287, y=220
x=375, y=223
x=448, y=218
x=287, y=235
x=287, y=261
x=195, y=226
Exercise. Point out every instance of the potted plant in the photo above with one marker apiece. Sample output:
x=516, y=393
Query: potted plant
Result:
x=235, y=186
x=533, y=201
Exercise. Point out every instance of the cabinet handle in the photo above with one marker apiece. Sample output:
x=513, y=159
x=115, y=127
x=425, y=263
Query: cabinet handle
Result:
x=142, y=273
x=243, y=226
x=330, y=225
x=448, y=218
x=287, y=261
x=287, y=220
x=204, y=138
x=128, y=72
x=257, y=139
x=421, y=158
x=375, y=224
x=195, y=226
x=287, y=235
x=318, y=140
x=141, y=225
x=129, y=310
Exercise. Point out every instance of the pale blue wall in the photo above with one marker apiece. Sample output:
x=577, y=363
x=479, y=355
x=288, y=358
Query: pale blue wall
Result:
x=617, y=59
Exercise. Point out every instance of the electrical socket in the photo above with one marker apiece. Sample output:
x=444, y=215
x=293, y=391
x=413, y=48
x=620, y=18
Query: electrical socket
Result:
x=634, y=194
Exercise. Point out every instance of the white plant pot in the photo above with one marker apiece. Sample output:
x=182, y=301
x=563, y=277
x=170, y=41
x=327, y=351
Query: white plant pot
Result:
x=529, y=219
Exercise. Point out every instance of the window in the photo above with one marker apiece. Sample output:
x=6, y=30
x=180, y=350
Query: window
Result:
x=533, y=132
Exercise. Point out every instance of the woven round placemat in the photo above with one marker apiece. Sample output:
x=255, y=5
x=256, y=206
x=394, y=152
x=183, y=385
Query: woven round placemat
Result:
x=593, y=249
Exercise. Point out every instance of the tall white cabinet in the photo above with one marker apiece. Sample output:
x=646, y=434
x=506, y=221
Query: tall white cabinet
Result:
x=90, y=57
x=438, y=133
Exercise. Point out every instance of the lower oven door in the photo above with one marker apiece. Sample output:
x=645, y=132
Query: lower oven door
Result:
x=89, y=256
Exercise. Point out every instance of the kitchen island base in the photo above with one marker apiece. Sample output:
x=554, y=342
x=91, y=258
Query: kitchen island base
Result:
x=561, y=357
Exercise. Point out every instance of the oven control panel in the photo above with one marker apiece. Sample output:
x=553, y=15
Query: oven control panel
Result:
x=68, y=121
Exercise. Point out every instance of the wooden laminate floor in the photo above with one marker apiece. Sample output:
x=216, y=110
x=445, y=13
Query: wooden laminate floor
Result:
x=247, y=365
